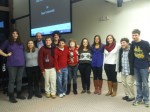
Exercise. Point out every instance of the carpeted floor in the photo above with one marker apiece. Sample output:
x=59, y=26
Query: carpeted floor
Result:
x=74, y=103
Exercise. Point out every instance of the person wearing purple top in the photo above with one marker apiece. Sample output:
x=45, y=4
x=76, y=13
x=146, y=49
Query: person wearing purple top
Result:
x=15, y=64
x=97, y=63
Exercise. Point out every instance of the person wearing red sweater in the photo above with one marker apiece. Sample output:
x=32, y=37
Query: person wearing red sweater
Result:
x=60, y=63
x=46, y=63
x=72, y=66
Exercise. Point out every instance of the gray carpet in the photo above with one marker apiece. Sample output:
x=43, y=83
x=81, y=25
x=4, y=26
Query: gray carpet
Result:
x=74, y=103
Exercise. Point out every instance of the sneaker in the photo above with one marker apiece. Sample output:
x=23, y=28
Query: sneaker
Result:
x=53, y=96
x=64, y=94
x=125, y=97
x=88, y=91
x=146, y=104
x=83, y=91
x=136, y=103
x=130, y=99
x=47, y=95
x=61, y=95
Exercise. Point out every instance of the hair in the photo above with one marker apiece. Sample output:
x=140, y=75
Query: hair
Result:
x=56, y=32
x=114, y=40
x=38, y=33
x=124, y=39
x=72, y=41
x=99, y=40
x=27, y=48
x=48, y=38
x=18, y=40
x=62, y=39
x=136, y=31
x=81, y=45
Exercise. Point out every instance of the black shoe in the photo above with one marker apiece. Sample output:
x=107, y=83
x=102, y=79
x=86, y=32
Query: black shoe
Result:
x=30, y=96
x=75, y=92
x=38, y=95
x=12, y=98
x=88, y=91
x=83, y=91
x=130, y=99
x=125, y=97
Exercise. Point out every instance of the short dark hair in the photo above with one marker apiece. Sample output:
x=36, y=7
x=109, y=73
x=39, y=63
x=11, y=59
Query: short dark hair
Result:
x=56, y=32
x=136, y=31
x=48, y=38
x=125, y=39
x=62, y=39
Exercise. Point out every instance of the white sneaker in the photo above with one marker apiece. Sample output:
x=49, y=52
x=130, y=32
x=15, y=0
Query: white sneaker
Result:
x=61, y=95
x=64, y=94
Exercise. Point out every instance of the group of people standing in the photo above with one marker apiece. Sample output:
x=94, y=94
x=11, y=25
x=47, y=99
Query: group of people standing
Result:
x=58, y=63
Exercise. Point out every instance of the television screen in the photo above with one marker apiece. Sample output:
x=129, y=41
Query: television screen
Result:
x=47, y=16
x=1, y=24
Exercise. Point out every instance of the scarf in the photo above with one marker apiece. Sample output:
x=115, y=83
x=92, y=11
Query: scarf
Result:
x=110, y=47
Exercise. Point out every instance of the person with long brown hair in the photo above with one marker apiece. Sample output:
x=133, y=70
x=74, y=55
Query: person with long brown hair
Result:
x=15, y=64
x=85, y=64
x=111, y=55
x=97, y=63
x=32, y=70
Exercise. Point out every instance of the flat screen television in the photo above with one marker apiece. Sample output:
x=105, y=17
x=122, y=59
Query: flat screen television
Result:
x=47, y=16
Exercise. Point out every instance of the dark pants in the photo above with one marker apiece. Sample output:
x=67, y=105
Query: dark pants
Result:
x=72, y=74
x=97, y=72
x=33, y=74
x=15, y=74
x=85, y=71
x=110, y=72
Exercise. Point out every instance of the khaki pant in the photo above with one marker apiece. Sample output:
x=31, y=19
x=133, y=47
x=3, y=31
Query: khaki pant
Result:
x=128, y=84
x=50, y=81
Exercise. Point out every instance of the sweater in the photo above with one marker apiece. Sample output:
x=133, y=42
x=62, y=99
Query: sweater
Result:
x=73, y=57
x=141, y=52
x=60, y=58
x=17, y=58
x=97, y=56
x=32, y=58
x=46, y=58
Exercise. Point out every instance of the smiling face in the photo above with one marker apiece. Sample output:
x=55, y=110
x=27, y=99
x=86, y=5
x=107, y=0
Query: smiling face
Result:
x=110, y=39
x=38, y=37
x=56, y=37
x=85, y=43
x=136, y=37
x=97, y=40
x=48, y=42
x=30, y=44
x=124, y=44
x=15, y=35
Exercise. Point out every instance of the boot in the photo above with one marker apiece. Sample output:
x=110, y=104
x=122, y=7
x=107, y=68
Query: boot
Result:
x=19, y=96
x=114, y=89
x=75, y=88
x=100, y=83
x=96, y=86
x=30, y=92
x=109, y=88
x=12, y=98
x=68, y=89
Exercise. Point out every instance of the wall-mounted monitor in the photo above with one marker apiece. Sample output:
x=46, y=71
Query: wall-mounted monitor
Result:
x=47, y=16
x=1, y=24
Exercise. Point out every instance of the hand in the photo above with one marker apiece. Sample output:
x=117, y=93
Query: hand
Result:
x=9, y=54
x=43, y=72
x=149, y=69
x=58, y=71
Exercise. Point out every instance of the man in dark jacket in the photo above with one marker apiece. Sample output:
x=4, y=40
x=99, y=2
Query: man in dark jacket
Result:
x=126, y=69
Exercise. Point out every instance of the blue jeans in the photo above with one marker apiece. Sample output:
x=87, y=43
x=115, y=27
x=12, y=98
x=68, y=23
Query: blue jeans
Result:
x=141, y=76
x=62, y=81
x=72, y=74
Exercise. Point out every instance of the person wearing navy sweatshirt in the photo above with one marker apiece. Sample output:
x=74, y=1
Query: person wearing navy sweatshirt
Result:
x=97, y=63
x=141, y=50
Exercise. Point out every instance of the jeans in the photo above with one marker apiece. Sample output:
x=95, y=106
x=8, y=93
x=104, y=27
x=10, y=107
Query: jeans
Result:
x=141, y=76
x=62, y=81
x=15, y=73
x=72, y=74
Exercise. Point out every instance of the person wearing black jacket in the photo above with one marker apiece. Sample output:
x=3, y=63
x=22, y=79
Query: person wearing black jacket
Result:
x=127, y=70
